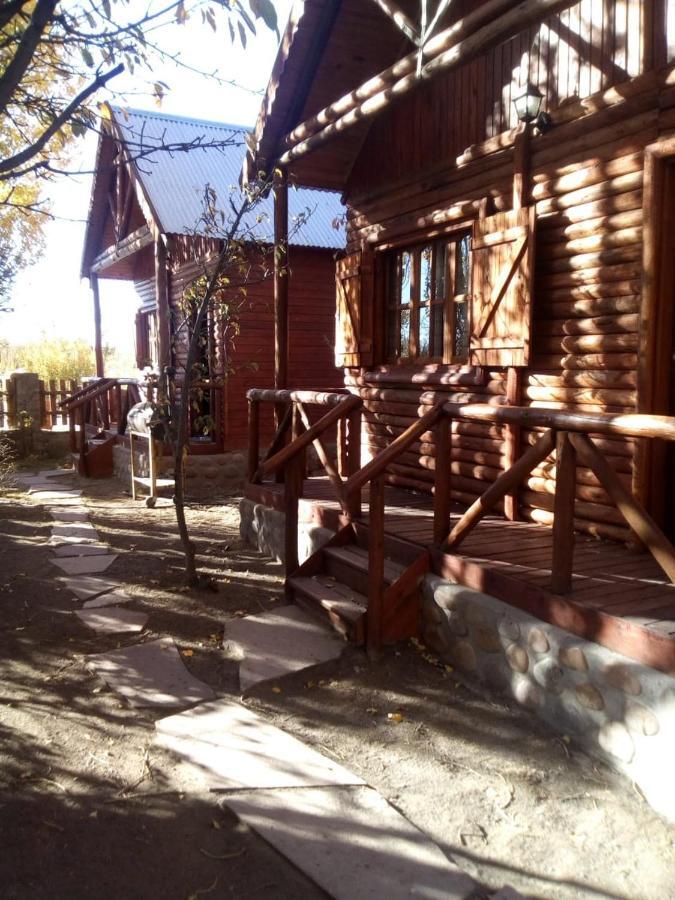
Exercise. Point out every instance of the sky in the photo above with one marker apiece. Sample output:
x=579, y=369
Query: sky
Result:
x=51, y=292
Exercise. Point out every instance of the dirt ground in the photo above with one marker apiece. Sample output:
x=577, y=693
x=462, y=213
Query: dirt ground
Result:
x=87, y=807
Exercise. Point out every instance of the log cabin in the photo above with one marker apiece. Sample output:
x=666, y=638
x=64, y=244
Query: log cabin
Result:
x=147, y=224
x=504, y=488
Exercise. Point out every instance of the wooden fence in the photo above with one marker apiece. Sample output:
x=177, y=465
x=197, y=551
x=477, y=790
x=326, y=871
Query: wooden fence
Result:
x=52, y=394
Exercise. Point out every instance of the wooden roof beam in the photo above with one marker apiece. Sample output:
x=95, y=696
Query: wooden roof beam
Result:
x=450, y=49
x=445, y=39
x=131, y=244
x=401, y=20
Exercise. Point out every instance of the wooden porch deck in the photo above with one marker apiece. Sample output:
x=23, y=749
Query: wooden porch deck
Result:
x=620, y=598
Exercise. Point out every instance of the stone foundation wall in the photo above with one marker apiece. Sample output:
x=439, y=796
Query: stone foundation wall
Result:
x=613, y=706
x=206, y=474
x=38, y=442
x=263, y=528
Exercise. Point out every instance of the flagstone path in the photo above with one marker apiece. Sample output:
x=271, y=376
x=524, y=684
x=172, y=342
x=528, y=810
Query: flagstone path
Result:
x=323, y=818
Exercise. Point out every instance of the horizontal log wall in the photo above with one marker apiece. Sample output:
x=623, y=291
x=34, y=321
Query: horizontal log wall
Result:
x=586, y=180
x=246, y=351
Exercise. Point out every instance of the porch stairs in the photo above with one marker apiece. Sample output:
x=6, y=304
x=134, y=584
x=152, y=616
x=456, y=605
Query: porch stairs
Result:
x=97, y=459
x=334, y=583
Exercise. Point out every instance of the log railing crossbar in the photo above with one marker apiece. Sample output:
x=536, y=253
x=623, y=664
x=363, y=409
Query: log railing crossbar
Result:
x=569, y=435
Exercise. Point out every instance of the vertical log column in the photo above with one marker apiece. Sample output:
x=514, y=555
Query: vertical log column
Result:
x=98, y=338
x=280, y=191
x=162, y=300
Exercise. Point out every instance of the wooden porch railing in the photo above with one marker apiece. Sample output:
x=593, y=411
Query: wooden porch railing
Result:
x=569, y=434
x=100, y=404
x=288, y=459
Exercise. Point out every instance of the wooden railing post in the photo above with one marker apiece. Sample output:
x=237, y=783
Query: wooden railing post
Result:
x=375, y=565
x=292, y=492
x=563, y=514
x=297, y=428
x=442, y=480
x=83, y=441
x=253, y=438
x=353, y=458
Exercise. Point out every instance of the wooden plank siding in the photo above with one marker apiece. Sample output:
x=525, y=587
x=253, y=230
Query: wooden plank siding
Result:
x=244, y=355
x=432, y=160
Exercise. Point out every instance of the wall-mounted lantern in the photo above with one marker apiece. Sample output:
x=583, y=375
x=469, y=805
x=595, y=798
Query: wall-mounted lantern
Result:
x=528, y=108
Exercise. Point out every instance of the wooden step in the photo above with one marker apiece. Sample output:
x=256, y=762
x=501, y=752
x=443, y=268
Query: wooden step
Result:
x=344, y=607
x=349, y=565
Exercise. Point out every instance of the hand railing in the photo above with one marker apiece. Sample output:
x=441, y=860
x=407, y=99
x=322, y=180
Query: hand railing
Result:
x=288, y=458
x=567, y=433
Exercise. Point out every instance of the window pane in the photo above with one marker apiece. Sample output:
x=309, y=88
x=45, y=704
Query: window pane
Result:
x=425, y=275
x=405, y=333
x=461, y=329
x=437, y=313
x=392, y=333
x=424, y=331
x=405, y=268
x=462, y=266
x=441, y=269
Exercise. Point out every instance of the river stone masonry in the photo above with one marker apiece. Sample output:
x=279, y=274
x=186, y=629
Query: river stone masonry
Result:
x=613, y=706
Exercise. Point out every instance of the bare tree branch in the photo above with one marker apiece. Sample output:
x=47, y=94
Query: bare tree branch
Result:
x=15, y=71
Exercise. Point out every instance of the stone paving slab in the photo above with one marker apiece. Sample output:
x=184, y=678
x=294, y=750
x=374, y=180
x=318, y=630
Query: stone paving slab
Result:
x=70, y=514
x=56, y=473
x=86, y=586
x=73, y=532
x=352, y=843
x=83, y=565
x=51, y=492
x=113, y=619
x=75, y=549
x=233, y=747
x=273, y=644
x=150, y=674
x=114, y=597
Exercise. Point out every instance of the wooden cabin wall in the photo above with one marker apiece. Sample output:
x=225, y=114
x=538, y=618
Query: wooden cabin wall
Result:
x=586, y=182
x=573, y=54
x=249, y=354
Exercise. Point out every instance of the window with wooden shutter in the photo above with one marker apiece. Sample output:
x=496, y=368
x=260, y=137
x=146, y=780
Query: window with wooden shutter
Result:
x=501, y=301
x=354, y=286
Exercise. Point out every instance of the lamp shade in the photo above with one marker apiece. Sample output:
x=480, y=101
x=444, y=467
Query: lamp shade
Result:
x=528, y=104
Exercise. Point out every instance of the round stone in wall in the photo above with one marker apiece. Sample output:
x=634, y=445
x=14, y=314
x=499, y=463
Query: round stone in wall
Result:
x=487, y=639
x=447, y=596
x=589, y=696
x=456, y=623
x=573, y=658
x=433, y=637
x=477, y=616
x=621, y=677
x=614, y=739
x=537, y=640
x=431, y=611
x=517, y=658
x=641, y=720
x=509, y=629
x=527, y=692
x=549, y=675
x=463, y=656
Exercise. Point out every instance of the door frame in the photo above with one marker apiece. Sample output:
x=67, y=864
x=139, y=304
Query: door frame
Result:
x=655, y=345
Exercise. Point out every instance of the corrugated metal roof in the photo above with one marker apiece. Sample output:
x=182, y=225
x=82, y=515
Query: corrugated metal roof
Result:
x=174, y=182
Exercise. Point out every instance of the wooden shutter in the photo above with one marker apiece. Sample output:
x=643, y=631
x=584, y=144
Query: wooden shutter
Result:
x=502, y=260
x=354, y=285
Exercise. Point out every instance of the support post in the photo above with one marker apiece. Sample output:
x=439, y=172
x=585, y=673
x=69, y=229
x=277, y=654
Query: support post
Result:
x=292, y=491
x=563, y=514
x=375, y=566
x=162, y=300
x=280, y=191
x=512, y=443
x=353, y=453
x=253, y=438
x=98, y=339
x=442, y=480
